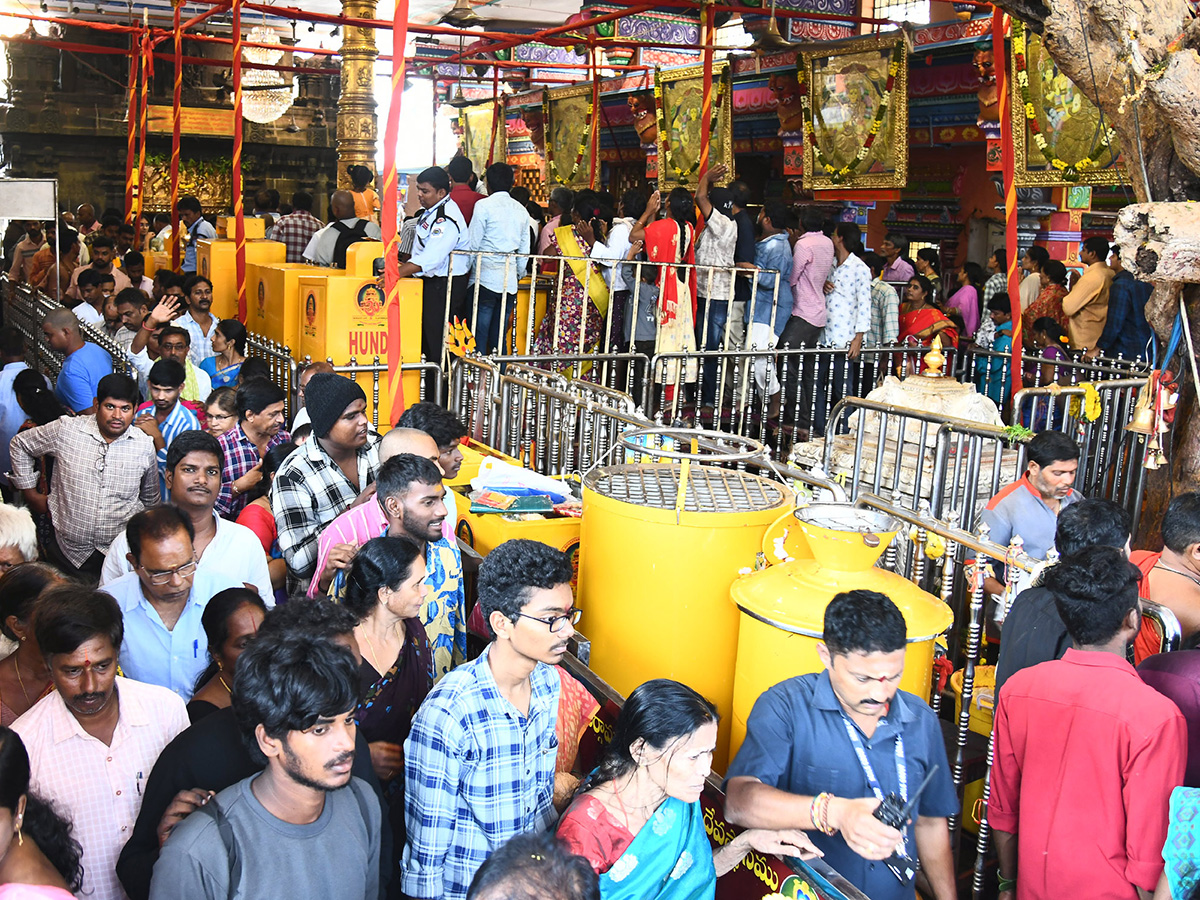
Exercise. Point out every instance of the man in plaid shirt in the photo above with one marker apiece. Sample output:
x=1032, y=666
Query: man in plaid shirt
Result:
x=479, y=760
x=296, y=229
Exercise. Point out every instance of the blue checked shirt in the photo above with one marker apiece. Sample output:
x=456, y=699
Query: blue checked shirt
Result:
x=773, y=256
x=476, y=772
x=178, y=420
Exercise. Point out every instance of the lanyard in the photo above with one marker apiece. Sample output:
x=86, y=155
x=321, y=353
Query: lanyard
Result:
x=869, y=771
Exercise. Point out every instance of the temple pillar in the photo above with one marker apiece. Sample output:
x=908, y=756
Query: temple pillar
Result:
x=357, y=124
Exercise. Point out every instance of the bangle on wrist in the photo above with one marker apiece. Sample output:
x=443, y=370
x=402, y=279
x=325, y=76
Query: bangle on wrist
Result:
x=1005, y=884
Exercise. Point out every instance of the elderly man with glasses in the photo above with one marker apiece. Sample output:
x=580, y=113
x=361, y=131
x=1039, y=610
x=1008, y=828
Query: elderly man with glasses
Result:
x=162, y=601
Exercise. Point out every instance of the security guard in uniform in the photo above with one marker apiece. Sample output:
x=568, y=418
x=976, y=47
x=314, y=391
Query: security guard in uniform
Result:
x=441, y=229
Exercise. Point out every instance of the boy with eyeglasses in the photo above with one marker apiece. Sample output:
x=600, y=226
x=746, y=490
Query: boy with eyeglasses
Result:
x=479, y=760
x=162, y=601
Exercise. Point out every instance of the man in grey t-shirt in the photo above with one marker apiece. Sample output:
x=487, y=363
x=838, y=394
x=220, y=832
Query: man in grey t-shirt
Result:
x=304, y=827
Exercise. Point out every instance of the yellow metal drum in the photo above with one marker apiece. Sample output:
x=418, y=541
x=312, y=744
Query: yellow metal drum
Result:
x=783, y=607
x=654, y=582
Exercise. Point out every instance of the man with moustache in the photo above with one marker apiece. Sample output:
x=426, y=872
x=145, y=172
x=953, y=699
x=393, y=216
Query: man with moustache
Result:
x=294, y=697
x=93, y=741
x=193, y=477
x=163, y=599
x=823, y=750
x=409, y=497
x=103, y=253
x=198, y=321
x=164, y=417
x=104, y=473
x=477, y=769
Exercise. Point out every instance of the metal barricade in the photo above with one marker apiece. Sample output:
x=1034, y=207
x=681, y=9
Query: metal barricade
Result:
x=1111, y=459
x=26, y=307
x=474, y=384
x=377, y=371
x=283, y=366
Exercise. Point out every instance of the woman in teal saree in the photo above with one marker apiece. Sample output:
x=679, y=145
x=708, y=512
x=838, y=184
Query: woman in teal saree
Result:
x=637, y=819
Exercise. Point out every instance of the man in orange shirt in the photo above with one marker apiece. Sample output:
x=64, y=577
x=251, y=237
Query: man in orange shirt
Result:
x=1087, y=303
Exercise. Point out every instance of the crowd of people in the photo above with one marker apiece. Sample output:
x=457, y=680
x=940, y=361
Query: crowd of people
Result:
x=337, y=728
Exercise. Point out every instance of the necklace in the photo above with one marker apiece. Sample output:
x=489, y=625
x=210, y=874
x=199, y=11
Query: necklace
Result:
x=221, y=679
x=20, y=680
x=1158, y=565
x=371, y=646
x=653, y=805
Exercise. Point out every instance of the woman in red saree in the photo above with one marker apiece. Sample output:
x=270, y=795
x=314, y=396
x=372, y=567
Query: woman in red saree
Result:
x=574, y=320
x=1049, y=300
x=669, y=242
x=921, y=319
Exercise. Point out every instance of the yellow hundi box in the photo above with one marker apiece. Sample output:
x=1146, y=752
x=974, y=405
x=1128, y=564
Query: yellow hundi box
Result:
x=343, y=315
x=273, y=300
x=217, y=261
x=255, y=228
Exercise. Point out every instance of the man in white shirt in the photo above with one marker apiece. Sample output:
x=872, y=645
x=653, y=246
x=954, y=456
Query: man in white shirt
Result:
x=199, y=321
x=847, y=316
x=12, y=417
x=499, y=228
x=328, y=246
x=193, y=475
x=611, y=254
x=95, y=289
x=441, y=229
x=93, y=741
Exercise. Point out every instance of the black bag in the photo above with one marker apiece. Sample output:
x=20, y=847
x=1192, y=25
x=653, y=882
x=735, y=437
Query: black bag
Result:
x=346, y=237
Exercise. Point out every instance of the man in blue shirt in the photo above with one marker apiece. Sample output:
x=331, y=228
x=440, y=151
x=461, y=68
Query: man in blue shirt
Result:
x=823, y=750
x=162, y=601
x=499, y=227
x=191, y=214
x=1126, y=331
x=84, y=364
x=479, y=760
x=769, y=309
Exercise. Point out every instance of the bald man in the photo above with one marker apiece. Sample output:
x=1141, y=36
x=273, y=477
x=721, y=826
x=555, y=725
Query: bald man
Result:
x=84, y=364
x=306, y=374
x=328, y=246
x=85, y=219
x=340, y=541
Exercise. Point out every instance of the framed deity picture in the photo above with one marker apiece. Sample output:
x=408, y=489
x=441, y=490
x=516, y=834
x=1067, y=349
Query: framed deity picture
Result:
x=679, y=104
x=483, y=137
x=568, y=118
x=855, y=94
x=1058, y=134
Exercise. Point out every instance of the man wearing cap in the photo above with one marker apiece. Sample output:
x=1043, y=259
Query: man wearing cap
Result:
x=326, y=476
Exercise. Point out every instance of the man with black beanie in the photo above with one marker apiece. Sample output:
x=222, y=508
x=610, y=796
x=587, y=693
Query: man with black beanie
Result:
x=326, y=476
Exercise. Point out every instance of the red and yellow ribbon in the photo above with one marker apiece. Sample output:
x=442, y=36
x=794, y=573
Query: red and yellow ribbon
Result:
x=238, y=204
x=143, y=119
x=175, y=134
x=1008, y=166
x=391, y=209
x=131, y=130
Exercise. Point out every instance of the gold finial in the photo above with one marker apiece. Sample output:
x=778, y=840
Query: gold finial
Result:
x=934, y=359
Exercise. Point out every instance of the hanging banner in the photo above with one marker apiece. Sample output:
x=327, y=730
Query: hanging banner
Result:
x=568, y=117
x=1057, y=132
x=856, y=114
x=679, y=100
x=202, y=122
x=477, y=122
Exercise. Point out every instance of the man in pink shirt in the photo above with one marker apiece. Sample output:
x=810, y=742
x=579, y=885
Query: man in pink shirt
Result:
x=340, y=541
x=812, y=263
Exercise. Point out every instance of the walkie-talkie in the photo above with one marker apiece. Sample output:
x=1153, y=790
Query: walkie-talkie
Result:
x=894, y=813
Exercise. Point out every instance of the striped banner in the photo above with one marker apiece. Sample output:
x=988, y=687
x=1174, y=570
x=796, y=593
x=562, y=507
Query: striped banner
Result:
x=236, y=180
x=176, y=120
x=706, y=40
x=143, y=133
x=391, y=208
x=1008, y=163
x=135, y=60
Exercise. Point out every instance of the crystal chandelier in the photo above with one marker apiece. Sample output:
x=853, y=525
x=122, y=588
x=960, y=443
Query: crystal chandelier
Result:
x=265, y=95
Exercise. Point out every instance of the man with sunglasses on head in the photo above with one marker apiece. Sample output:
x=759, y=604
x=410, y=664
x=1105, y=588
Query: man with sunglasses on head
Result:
x=479, y=760
x=162, y=600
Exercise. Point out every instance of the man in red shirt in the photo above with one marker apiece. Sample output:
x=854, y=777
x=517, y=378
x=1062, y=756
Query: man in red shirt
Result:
x=460, y=172
x=1086, y=753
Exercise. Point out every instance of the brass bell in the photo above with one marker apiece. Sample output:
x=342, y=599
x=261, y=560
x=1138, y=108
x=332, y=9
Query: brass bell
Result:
x=1143, y=412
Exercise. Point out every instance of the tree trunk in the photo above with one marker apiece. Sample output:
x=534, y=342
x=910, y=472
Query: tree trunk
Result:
x=1137, y=61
